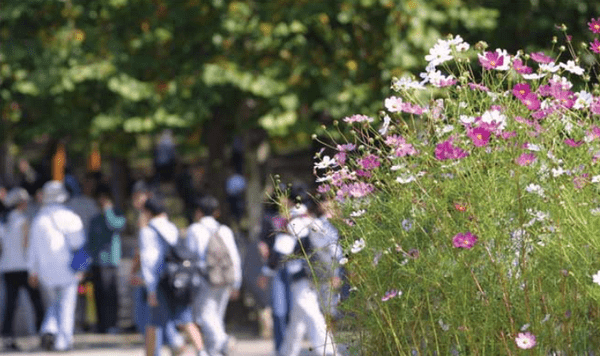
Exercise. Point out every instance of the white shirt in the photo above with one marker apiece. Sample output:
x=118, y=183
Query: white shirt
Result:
x=13, y=255
x=55, y=233
x=153, y=249
x=198, y=235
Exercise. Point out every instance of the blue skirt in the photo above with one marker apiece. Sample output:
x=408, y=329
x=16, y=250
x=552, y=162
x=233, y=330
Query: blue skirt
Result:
x=167, y=310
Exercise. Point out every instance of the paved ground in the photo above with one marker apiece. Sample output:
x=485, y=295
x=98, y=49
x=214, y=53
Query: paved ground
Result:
x=132, y=345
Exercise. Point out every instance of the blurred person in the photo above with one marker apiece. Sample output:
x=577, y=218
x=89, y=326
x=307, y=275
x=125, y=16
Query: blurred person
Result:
x=13, y=264
x=281, y=296
x=56, y=233
x=211, y=304
x=141, y=193
x=104, y=245
x=327, y=247
x=82, y=200
x=165, y=157
x=155, y=239
x=293, y=244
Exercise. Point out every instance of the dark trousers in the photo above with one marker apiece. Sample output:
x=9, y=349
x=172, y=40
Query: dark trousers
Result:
x=105, y=280
x=13, y=281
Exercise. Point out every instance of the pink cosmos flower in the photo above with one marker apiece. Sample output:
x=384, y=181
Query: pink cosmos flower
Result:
x=360, y=189
x=389, y=295
x=491, y=60
x=323, y=188
x=523, y=121
x=520, y=67
x=541, y=58
x=340, y=158
x=508, y=134
x=346, y=147
x=525, y=340
x=358, y=118
x=595, y=106
x=466, y=240
x=565, y=98
x=544, y=90
x=446, y=150
x=526, y=159
x=412, y=109
x=573, y=143
x=531, y=101
x=521, y=90
x=594, y=25
x=595, y=46
x=580, y=181
x=476, y=86
x=361, y=173
x=594, y=133
x=480, y=136
x=369, y=162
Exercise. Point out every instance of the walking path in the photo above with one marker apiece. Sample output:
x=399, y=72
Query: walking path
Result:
x=132, y=345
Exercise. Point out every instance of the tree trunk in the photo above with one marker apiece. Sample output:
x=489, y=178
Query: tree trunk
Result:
x=118, y=181
x=256, y=156
x=216, y=170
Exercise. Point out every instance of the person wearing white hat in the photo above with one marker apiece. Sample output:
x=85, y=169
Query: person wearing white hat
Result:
x=56, y=232
x=13, y=264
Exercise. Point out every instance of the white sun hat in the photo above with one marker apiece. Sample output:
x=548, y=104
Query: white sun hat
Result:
x=54, y=192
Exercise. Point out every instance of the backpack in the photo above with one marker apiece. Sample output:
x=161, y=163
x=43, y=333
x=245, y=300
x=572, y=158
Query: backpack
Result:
x=219, y=265
x=181, y=275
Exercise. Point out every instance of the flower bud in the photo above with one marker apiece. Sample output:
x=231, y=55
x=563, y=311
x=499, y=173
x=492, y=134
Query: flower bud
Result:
x=562, y=48
x=314, y=136
x=481, y=45
x=563, y=27
x=371, y=140
x=336, y=123
x=554, y=39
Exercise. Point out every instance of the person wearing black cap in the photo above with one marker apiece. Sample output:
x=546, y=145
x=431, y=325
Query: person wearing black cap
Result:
x=153, y=249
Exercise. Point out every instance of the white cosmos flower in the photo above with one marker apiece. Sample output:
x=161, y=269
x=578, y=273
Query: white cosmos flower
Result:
x=466, y=120
x=326, y=162
x=533, y=147
x=393, y=104
x=536, y=189
x=358, y=246
x=439, y=53
x=358, y=213
x=572, y=67
x=386, y=125
x=494, y=117
x=550, y=67
x=406, y=83
x=584, y=99
x=405, y=179
x=596, y=277
x=533, y=76
x=596, y=179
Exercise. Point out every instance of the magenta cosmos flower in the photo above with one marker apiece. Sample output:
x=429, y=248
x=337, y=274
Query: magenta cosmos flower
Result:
x=541, y=58
x=526, y=159
x=525, y=340
x=466, y=240
x=369, y=162
x=595, y=46
x=446, y=150
x=520, y=67
x=521, y=90
x=480, y=136
x=389, y=295
x=491, y=60
x=594, y=25
x=531, y=101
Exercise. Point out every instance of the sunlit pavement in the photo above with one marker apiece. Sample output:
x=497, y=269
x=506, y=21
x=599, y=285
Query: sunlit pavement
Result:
x=132, y=344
